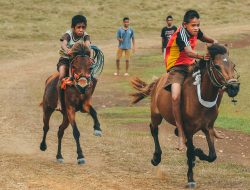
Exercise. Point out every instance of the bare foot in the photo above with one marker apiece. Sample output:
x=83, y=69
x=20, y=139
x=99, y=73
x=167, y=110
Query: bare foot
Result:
x=218, y=134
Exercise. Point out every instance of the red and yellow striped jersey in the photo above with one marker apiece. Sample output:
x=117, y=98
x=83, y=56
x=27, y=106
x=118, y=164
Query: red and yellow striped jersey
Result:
x=175, y=53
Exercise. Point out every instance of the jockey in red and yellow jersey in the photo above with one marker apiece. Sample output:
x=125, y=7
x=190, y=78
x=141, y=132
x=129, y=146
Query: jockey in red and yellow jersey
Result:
x=179, y=54
x=175, y=53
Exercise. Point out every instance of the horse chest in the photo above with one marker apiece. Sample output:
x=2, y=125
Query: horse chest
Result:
x=201, y=117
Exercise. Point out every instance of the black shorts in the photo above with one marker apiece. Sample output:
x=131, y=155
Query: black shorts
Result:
x=63, y=61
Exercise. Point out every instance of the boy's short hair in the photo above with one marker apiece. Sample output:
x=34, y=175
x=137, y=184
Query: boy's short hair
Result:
x=169, y=17
x=125, y=18
x=78, y=19
x=190, y=14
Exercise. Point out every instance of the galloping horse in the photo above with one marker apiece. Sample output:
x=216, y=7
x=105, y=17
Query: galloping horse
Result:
x=77, y=97
x=199, y=106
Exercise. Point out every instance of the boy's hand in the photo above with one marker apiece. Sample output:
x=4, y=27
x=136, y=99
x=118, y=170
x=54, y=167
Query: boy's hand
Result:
x=69, y=52
x=133, y=49
x=206, y=57
x=215, y=41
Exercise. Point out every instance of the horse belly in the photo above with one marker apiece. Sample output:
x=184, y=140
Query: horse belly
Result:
x=50, y=93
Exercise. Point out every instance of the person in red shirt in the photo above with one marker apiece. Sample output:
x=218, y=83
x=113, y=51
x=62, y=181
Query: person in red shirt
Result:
x=180, y=54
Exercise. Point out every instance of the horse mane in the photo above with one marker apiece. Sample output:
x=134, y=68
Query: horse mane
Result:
x=80, y=49
x=216, y=49
x=213, y=50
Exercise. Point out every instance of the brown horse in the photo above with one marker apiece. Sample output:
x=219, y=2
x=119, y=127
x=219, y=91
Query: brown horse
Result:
x=77, y=97
x=199, y=103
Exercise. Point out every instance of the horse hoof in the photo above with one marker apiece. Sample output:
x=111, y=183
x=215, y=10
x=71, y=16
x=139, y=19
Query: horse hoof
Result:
x=154, y=163
x=43, y=147
x=60, y=160
x=97, y=133
x=81, y=161
x=191, y=185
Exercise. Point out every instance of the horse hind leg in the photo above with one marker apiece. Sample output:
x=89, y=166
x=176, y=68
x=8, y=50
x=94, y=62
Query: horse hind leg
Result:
x=62, y=127
x=155, y=122
x=47, y=112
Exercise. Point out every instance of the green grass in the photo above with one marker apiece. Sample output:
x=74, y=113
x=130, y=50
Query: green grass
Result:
x=47, y=20
x=234, y=123
x=118, y=116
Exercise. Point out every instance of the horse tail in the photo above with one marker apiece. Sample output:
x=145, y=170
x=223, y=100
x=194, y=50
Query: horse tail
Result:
x=143, y=89
x=41, y=104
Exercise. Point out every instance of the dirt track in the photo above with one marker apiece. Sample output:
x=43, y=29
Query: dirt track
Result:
x=111, y=163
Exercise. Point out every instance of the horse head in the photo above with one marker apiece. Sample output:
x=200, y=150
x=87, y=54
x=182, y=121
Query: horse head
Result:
x=221, y=70
x=80, y=67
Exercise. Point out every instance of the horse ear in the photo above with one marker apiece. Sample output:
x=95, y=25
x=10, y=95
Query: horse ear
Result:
x=206, y=47
x=227, y=47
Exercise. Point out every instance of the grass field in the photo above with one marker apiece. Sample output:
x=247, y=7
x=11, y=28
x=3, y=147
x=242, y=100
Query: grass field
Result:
x=30, y=32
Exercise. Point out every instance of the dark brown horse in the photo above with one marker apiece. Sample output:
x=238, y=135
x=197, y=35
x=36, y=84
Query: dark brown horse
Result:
x=77, y=97
x=199, y=110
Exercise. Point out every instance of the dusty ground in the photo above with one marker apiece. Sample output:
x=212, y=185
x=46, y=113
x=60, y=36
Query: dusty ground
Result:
x=118, y=160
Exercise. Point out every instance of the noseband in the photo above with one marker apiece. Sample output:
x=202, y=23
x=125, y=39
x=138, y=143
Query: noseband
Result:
x=81, y=81
x=212, y=71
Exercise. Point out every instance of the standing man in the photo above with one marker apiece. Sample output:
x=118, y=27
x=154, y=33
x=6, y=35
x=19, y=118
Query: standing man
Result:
x=124, y=36
x=167, y=32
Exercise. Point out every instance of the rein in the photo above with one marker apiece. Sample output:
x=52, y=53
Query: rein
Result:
x=80, y=81
x=210, y=66
x=211, y=69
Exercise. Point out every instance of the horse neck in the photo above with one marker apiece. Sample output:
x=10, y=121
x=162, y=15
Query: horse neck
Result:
x=208, y=91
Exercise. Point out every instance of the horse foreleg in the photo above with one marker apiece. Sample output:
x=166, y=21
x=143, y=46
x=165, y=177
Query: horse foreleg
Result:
x=210, y=140
x=76, y=134
x=155, y=121
x=191, y=162
x=47, y=112
x=60, y=134
x=97, y=128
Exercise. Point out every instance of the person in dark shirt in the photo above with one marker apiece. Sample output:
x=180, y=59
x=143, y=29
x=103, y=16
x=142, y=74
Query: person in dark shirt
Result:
x=167, y=32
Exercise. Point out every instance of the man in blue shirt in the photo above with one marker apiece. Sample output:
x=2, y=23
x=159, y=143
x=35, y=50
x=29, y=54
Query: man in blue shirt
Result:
x=124, y=36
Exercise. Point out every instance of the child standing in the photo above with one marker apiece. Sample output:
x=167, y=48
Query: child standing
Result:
x=124, y=36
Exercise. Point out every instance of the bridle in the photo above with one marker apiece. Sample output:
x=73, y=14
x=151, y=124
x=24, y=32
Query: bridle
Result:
x=213, y=70
x=81, y=81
